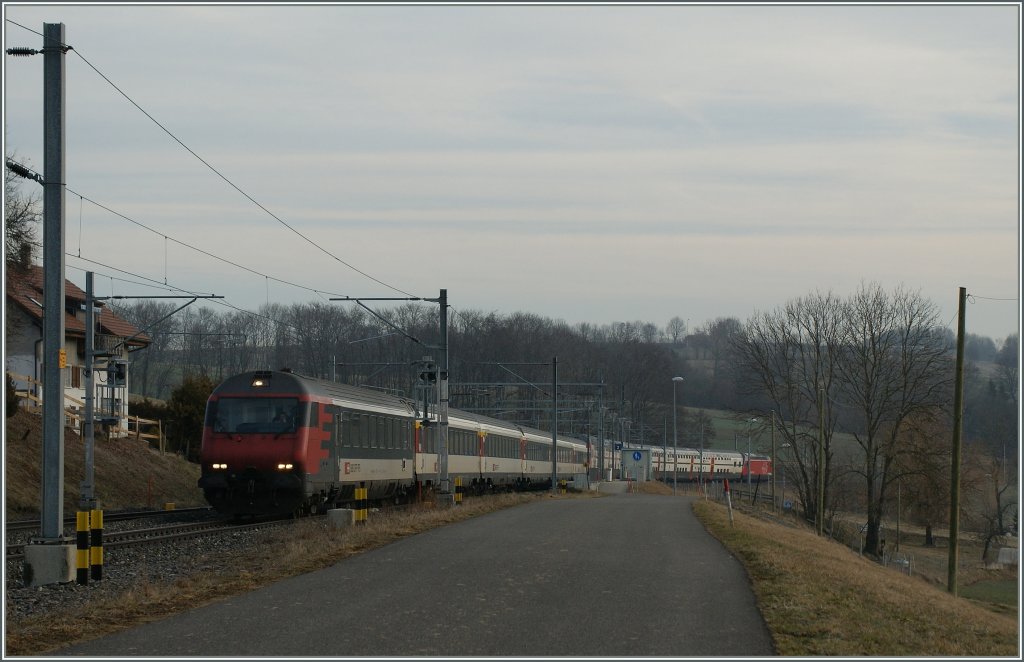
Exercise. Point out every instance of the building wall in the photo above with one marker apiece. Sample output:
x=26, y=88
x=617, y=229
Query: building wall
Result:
x=21, y=339
x=21, y=335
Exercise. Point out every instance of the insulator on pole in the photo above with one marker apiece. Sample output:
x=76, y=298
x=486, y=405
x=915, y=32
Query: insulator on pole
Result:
x=22, y=51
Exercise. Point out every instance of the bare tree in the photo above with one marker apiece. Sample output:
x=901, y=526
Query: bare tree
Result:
x=921, y=472
x=789, y=355
x=892, y=367
x=676, y=329
x=22, y=215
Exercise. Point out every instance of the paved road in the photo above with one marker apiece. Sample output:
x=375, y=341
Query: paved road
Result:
x=623, y=576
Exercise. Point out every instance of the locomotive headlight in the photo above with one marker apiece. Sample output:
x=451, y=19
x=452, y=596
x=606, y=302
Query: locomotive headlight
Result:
x=284, y=466
x=219, y=465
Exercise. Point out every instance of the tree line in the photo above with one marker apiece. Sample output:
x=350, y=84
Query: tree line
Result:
x=875, y=367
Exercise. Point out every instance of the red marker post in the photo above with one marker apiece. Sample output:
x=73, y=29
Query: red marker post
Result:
x=728, y=500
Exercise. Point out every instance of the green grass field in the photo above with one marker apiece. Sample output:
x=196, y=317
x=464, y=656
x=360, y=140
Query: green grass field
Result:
x=1001, y=592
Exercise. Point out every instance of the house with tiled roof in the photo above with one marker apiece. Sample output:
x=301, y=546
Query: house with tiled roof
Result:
x=24, y=346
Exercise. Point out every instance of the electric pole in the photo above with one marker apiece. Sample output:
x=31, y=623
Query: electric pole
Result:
x=958, y=411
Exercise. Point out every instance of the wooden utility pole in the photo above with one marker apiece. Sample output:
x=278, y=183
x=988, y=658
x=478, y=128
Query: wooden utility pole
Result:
x=775, y=505
x=821, y=463
x=954, y=486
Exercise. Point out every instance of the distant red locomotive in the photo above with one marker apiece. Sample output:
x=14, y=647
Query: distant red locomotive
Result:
x=758, y=466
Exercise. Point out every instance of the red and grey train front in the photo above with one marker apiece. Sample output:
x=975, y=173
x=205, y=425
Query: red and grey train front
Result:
x=254, y=444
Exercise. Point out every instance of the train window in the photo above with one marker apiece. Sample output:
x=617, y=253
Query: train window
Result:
x=256, y=415
x=346, y=429
x=354, y=430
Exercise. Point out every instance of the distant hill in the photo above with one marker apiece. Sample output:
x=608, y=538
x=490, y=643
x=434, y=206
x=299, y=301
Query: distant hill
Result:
x=128, y=473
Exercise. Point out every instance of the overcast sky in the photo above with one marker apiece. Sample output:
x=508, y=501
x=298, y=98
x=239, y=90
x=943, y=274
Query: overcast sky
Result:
x=586, y=163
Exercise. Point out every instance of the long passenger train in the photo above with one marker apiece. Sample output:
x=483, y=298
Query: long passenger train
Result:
x=276, y=442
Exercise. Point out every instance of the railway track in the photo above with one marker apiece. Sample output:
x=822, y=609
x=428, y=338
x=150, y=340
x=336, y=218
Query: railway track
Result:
x=28, y=525
x=164, y=533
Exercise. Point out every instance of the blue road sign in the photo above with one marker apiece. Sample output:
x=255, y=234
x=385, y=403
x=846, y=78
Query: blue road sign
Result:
x=636, y=456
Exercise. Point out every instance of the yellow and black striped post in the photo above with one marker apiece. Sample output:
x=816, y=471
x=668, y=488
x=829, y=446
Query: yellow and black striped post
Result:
x=96, y=545
x=561, y=486
x=458, y=489
x=361, y=505
x=82, y=547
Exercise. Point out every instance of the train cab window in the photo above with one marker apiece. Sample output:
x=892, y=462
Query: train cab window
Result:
x=256, y=415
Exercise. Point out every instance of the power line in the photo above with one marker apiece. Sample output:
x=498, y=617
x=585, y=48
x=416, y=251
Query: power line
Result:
x=159, y=285
x=970, y=298
x=195, y=248
x=19, y=168
x=219, y=174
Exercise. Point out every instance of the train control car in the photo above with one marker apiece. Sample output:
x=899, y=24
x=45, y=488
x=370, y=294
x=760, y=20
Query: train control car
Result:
x=276, y=442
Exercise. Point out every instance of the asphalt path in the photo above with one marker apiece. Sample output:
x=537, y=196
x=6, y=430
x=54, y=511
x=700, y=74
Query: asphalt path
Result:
x=628, y=575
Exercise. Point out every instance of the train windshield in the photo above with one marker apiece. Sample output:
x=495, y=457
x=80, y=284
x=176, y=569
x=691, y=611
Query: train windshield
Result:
x=255, y=415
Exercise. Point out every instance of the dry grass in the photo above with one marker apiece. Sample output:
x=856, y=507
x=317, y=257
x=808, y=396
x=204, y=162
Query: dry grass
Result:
x=127, y=473
x=309, y=545
x=820, y=598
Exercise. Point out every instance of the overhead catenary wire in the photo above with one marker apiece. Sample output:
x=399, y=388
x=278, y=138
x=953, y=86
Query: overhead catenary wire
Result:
x=167, y=239
x=971, y=297
x=218, y=173
x=171, y=288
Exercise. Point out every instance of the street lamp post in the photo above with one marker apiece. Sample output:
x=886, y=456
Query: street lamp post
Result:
x=675, y=435
x=700, y=467
x=753, y=420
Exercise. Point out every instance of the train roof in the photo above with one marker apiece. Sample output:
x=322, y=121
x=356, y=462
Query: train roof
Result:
x=286, y=382
x=280, y=381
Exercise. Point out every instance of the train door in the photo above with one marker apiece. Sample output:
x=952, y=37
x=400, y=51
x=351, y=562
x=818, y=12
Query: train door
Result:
x=337, y=442
x=417, y=445
x=481, y=438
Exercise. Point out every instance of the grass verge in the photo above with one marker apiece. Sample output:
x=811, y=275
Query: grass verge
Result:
x=819, y=598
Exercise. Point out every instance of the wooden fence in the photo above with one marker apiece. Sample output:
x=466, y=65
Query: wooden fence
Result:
x=74, y=410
